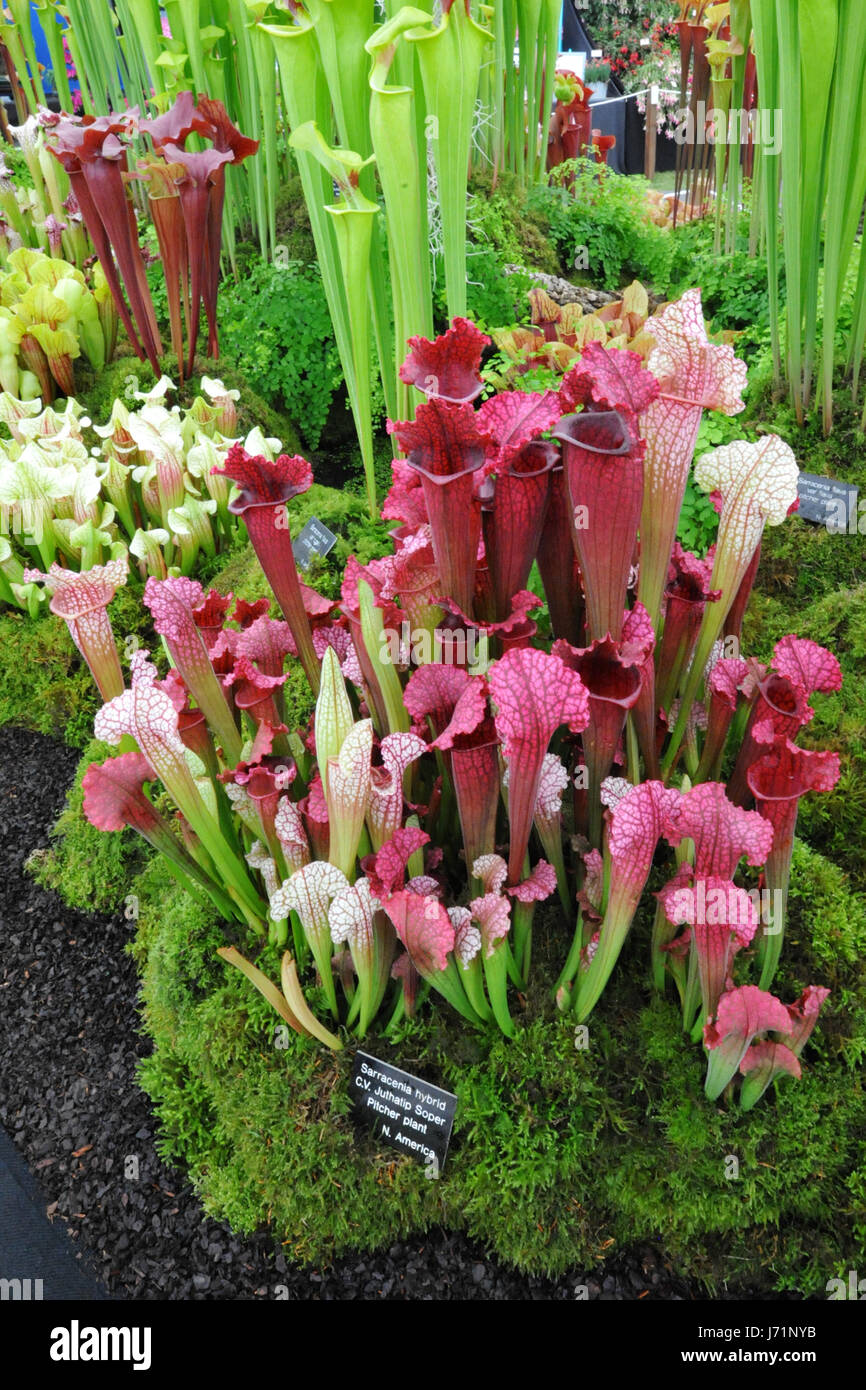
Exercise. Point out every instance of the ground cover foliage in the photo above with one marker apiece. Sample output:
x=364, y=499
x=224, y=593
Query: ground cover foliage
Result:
x=560, y=1152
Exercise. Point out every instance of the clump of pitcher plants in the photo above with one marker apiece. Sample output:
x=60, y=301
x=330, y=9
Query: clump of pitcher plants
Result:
x=186, y=197
x=49, y=317
x=458, y=769
x=145, y=492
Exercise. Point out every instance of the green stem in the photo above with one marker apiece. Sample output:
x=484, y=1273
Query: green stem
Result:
x=450, y=985
x=399, y=1012
x=496, y=975
x=373, y=630
x=450, y=58
x=306, y=99
x=572, y=963
x=21, y=15
x=472, y=977
x=54, y=39
x=392, y=126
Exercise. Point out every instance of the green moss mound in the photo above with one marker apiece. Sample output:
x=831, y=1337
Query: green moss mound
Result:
x=44, y=687
x=44, y=684
x=499, y=217
x=293, y=221
x=560, y=1152
x=97, y=392
x=83, y=864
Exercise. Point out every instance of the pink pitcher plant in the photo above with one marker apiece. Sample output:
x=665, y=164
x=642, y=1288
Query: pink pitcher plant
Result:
x=448, y=784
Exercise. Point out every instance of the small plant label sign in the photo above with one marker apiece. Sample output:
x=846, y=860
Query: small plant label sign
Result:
x=314, y=539
x=409, y=1114
x=827, y=501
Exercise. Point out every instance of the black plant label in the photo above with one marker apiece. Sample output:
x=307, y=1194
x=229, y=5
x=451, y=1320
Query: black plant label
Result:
x=828, y=501
x=409, y=1114
x=313, y=539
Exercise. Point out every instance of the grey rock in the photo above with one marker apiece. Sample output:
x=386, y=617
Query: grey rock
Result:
x=563, y=291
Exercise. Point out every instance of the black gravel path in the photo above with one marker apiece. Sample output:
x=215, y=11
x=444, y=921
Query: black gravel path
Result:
x=69, y=1044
